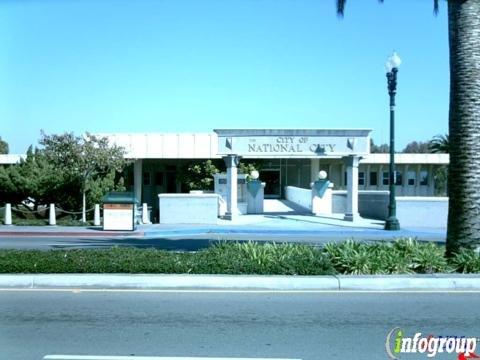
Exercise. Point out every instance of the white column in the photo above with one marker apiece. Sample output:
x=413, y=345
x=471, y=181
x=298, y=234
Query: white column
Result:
x=431, y=181
x=417, y=184
x=96, y=215
x=52, y=220
x=405, y=191
x=314, y=169
x=145, y=219
x=137, y=179
x=8, y=214
x=351, y=211
x=231, y=162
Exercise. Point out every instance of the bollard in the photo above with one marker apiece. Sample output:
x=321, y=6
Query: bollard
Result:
x=96, y=215
x=52, y=220
x=8, y=214
x=145, y=219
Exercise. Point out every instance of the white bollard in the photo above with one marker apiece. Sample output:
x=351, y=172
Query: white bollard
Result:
x=96, y=215
x=145, y=219
x=8, y=214
x=52, y=220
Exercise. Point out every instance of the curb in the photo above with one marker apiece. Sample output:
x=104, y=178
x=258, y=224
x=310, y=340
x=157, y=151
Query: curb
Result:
x=242, y=282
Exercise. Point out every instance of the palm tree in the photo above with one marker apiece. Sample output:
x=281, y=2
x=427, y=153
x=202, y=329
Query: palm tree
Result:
x=464, y=123
x=440, y=144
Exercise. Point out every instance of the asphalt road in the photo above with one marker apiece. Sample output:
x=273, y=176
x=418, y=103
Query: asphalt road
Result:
x=251, y=325
x=190, y=242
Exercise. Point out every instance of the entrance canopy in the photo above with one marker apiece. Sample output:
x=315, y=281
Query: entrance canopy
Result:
x=293, y=143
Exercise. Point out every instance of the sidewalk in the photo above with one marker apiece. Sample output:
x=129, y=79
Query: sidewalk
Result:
x=264, y=227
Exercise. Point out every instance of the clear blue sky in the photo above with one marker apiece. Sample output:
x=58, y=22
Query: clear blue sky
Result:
x=195, y=65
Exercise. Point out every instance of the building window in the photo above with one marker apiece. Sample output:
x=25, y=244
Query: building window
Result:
x=361, y=178
x=345, y=178
x=146, y=178
x=159, y=178
x=373, y=178
x=385, y=178
x=411, y=178
x=424, y=177
x=398, y=178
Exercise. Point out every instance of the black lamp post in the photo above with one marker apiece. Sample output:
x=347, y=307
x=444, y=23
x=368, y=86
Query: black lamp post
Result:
x=392, y=65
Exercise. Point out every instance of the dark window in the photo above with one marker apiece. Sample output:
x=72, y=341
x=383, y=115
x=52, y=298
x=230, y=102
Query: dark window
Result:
x=398, y=178
x=385, y=178
x=411, y=178
x=361, y=178
x=171, y=167
x=159, y=178
x=146, y=178
x=345, y=178
x=373, y=178
x=423, y=177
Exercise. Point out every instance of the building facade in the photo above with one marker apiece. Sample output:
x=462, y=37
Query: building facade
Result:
x=158, y=156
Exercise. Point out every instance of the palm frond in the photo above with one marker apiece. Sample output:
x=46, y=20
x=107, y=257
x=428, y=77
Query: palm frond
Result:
x=341, y=7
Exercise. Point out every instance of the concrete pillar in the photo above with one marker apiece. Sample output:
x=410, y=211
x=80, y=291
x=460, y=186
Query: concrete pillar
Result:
x=367, y=177
x=145, y=218
x=314, y=169
x=405, y=180
x=380, y=177
x=231, y=161
x=431, y=181
x=96, y=215
x=342, y=176
x=351, y=211
x=52, y=219
x=137, y=179
x=8, y=214
x=417, y=184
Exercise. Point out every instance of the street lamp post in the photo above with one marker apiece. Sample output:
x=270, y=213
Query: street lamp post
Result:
x=392, y=65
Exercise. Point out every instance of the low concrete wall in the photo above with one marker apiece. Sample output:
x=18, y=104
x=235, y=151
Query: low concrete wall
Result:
x=300, y=196
x=422, y=211
x=415, y=211
x=188, y=208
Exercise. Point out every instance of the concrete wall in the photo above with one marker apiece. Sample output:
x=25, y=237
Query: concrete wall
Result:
x=300, y=196
x=415, y=211
x=422, y=211
x=188, y=208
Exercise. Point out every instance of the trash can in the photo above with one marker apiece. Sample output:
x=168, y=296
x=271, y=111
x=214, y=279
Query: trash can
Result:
x=119, y=209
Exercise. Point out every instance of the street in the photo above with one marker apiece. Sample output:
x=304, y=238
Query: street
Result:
x=302, y=325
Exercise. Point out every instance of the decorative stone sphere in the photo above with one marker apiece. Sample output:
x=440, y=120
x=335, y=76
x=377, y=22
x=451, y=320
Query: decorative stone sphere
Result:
x=254, y=174
x=322, y=175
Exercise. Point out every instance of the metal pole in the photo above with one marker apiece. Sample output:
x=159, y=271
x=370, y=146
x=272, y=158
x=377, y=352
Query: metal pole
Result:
x=392, y=222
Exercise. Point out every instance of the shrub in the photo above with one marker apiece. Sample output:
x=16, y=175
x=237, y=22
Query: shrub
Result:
x=466, y=261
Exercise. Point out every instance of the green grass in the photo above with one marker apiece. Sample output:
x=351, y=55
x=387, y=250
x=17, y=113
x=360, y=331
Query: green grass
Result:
x=404, y=256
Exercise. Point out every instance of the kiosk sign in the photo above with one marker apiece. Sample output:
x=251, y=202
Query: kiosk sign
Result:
x=119, y=211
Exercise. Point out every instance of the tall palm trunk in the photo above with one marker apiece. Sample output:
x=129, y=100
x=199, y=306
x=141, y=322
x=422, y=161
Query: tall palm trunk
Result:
x=464, y=125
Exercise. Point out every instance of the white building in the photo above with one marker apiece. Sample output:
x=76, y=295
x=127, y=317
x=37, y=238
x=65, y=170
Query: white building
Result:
x=285, y=157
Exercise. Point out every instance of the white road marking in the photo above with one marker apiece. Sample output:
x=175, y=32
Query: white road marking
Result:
x=79, y=290
x=91, y=357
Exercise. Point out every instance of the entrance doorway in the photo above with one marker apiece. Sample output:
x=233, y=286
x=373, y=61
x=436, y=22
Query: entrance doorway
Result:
x=271, y=178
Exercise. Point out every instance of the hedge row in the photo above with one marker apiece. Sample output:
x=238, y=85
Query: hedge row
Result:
x=404, y=256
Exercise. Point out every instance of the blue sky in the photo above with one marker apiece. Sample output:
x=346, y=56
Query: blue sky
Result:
x=195, y=65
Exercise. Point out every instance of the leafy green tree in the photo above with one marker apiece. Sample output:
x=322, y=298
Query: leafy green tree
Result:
x=440, y=144
x=198, y=176
x=464, y=123
x=379, y=149
x=3, y=146
x=417, y=147
x=83, y=160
